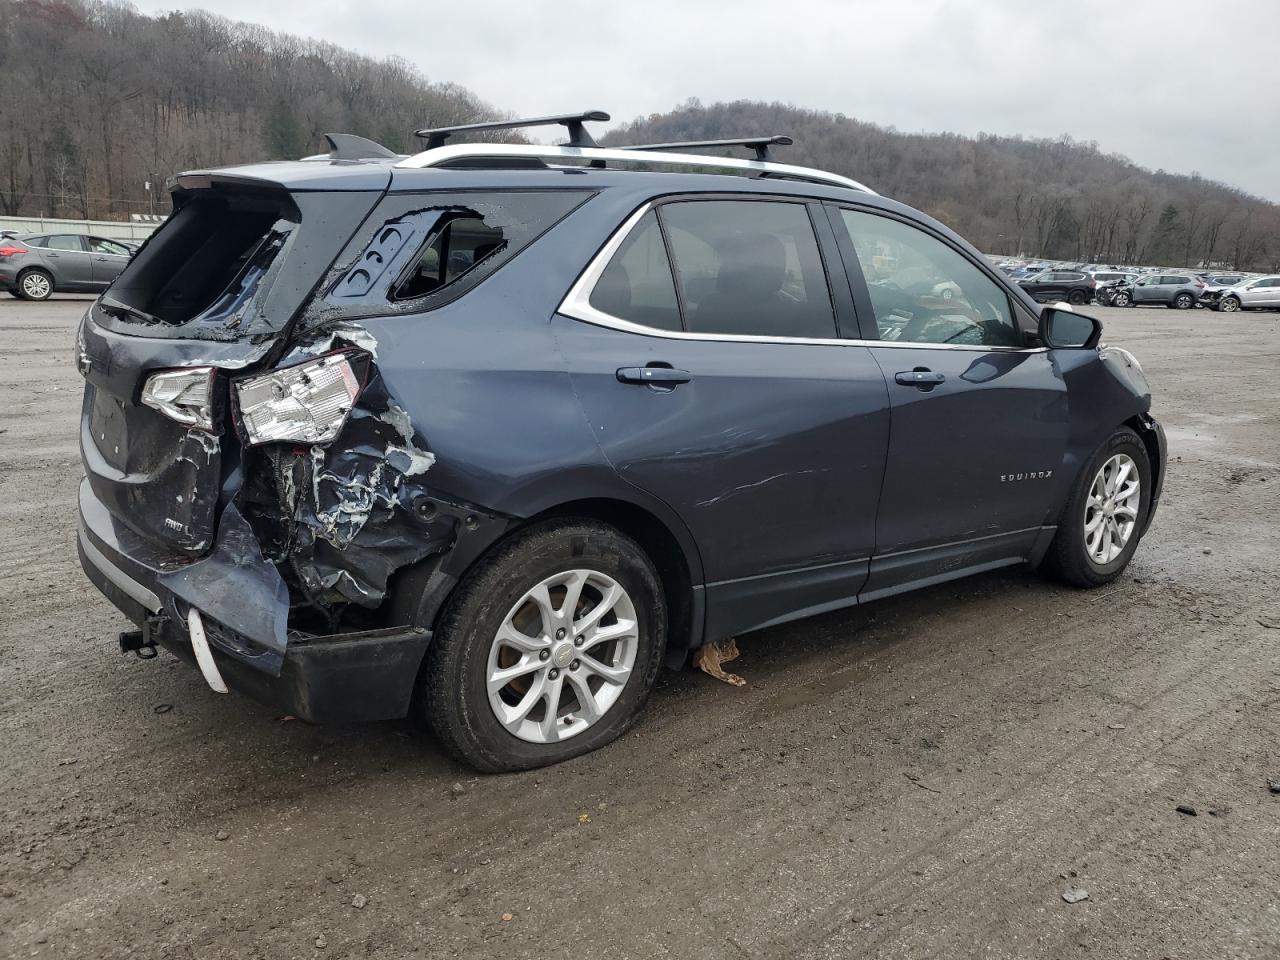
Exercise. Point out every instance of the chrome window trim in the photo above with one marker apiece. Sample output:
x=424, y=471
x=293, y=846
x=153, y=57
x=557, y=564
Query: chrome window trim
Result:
x=577, y=306
x=451, y=154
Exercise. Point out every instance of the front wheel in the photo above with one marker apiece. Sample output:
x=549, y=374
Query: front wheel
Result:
x=1121, y=300
x=547, y=649
x=1229, y=305
x=1184, y=301
x=1102, y=522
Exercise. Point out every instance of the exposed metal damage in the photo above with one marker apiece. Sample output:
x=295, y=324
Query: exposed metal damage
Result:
x=343, y=517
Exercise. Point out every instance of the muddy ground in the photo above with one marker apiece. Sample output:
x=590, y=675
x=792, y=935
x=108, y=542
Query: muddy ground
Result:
x=922, y=777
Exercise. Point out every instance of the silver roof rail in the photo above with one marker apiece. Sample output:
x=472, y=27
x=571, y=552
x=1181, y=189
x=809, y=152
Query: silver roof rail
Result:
x=454, y=155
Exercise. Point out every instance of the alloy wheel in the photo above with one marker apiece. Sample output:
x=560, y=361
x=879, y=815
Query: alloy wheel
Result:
x=1111, y=512
x=36, y=286
x=1229, y=305
x=1183, y=301
x=1122, y=300
x=563, y=656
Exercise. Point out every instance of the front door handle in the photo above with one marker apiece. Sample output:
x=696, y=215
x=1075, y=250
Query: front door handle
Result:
x=920, y=377
x=662, y=376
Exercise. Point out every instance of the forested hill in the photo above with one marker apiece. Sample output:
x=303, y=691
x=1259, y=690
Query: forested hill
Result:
x=96, y=98
x=1053, y=198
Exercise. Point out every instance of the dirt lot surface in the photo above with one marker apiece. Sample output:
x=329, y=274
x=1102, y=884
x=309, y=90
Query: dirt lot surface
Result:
x=922, y=777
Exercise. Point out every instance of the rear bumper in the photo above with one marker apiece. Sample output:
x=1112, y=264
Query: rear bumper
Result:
x=368, y=675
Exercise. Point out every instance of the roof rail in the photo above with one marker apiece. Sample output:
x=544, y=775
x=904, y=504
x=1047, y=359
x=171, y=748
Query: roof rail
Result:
x=578, y=136
x=760, y=145
x=484, y=154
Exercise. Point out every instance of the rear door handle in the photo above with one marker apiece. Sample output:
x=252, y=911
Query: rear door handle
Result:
x=919, y=378
x=664, y=376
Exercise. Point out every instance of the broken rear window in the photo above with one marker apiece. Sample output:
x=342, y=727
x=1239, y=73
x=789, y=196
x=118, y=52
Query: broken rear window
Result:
x=429, y=249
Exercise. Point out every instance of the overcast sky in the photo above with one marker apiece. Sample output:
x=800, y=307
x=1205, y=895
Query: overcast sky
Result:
x=1174, y=84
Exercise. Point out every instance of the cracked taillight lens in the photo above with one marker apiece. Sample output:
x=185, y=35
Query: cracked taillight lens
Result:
x=307, y=403
x=183, y=395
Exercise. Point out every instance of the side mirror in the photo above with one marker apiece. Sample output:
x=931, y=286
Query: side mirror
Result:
x=1066, y=329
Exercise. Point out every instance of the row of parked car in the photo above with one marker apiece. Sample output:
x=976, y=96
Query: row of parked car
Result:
x=1148, y=286
x=35, y=266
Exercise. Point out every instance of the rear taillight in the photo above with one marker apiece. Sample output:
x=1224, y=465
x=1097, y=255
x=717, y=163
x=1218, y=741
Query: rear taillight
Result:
x=11, y=251
x=184, y=395
x=307, y=403
x=1201, y=285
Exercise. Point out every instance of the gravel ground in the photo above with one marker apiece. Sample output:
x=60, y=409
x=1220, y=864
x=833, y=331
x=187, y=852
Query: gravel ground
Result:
x=922, y=777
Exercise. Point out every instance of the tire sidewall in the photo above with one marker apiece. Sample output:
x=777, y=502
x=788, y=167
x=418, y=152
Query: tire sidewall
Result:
x=1121, y=300
x=461, y=655
x=1233, y=309
x=1122, y=441
x=1183, y=301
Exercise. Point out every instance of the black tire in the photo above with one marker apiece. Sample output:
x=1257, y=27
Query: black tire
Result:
x=1184, y=301
x=452, y=695
x=1077, y=297
x=1068, y=559
x=1121, y=300
x=29, y=287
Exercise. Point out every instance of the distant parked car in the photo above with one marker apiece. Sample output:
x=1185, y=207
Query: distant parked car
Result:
x=1180, y=291
x=36, y=266
x=1073, y=286
x=1260, y=294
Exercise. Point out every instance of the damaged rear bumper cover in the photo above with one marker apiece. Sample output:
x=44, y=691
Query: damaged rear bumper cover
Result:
x=367, y=675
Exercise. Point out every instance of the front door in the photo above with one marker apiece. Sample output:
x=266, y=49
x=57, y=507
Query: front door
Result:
x=109, y=259
x=724, y=390
x=979, y=419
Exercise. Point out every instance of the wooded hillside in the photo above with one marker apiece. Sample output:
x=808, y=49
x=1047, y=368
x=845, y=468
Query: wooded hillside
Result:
x=95, y=99
x=1061, y=199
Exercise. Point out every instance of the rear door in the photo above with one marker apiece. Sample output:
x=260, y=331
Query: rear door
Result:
x=724, y=389
x=109, y=259
x=979, y=420
x=69, y=261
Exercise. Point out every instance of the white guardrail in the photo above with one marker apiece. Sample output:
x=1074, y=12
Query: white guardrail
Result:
x=133, y=231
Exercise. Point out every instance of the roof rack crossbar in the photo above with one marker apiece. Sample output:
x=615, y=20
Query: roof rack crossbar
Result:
x=578, y=136
x=760, y=145
x=459, y=154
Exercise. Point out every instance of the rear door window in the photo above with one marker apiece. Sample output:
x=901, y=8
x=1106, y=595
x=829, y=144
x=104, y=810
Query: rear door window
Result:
x=65, y=241
x=749, y=267
x=637, y=285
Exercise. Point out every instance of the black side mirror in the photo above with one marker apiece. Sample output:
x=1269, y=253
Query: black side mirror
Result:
x=1066, y=329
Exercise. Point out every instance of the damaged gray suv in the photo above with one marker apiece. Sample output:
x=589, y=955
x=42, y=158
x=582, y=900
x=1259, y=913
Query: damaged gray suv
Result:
x=489, y=433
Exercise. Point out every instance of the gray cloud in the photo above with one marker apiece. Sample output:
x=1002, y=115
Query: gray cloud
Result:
x=1175, y=84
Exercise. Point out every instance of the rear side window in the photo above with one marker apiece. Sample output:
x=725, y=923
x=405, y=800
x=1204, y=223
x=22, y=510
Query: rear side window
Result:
x=459, y=244
x=749, y=268
x=423, y=250
x=636, y=285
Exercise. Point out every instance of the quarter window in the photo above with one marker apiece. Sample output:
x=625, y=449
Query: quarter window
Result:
x=749, y=267
x=457, y=246
x=637, y=284
x=923, y=291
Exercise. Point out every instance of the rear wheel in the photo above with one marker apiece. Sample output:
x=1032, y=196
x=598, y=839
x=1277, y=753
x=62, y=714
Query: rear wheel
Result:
x=547, y=650
x=1184, y=301
x=1102, y=522
x=35, y=285
x=1077, y=297
x=1229, y=305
